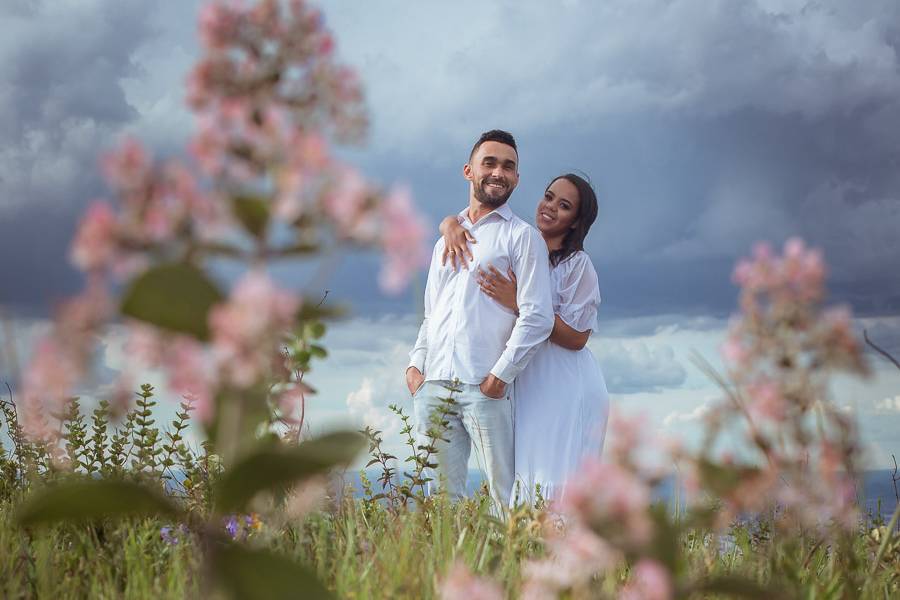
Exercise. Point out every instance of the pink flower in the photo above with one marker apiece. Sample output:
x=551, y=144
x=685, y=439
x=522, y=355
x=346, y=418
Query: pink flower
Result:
x=80, y=317
x=200, y=207
x=794, y=248
x=218, y=24
x=288, y=205
x=802, y=271
x=762, y=252
x=610, y=494
x=575, y=556
x=190, y=374
x=309, y=151
x=346, y=202
x=838, y=323
x=734, y=350
x=290, y=399
x=127, y=166
x=199, y=84
x=743, y=272
x=649, y=581
x=403, y=240
x=145, y=343
x=265, y=15
x=47, y=385
x=461, y=584
x=766, y=400
x=94, y=246
x=246, y=329
x=208, y=145
x=326, y=44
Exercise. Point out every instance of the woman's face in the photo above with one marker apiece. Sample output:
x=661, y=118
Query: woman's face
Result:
x=558, y=209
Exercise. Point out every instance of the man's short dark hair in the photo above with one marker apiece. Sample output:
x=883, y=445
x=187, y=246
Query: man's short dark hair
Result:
x=494, y=135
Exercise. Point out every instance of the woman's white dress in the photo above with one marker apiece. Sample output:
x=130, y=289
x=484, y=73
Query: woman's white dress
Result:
x=561, y=402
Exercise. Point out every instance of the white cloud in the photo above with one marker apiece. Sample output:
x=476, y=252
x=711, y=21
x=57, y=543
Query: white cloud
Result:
x=631, y=366
x=360, y=403
x=692, y=416
x=888, y=405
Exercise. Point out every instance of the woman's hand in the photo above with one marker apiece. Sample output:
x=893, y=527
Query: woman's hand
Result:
x=498, y=287
x=456, y=242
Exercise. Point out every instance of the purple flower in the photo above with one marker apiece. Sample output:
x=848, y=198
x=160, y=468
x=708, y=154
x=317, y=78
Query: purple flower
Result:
x=172, y=535
x=232, y=526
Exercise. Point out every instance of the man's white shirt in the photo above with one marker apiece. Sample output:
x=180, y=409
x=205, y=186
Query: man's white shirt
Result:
x=466, y=334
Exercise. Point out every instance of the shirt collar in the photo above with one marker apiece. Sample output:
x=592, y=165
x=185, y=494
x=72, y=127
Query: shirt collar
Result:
x=504, y=211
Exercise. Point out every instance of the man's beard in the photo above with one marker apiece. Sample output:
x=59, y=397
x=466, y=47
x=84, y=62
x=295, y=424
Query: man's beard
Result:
x=482, y=196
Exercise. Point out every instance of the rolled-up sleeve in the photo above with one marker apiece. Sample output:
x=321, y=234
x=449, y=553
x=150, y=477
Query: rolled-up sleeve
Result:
x=535, y=321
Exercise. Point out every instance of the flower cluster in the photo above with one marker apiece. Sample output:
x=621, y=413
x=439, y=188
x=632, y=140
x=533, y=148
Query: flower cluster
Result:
x=794, y=454
x=461, y=584
x=61, y=359
x=780, y=352
x=172, y=535
x=161, y=213
x=240, y=527
x=603, y=516
x=268, y=96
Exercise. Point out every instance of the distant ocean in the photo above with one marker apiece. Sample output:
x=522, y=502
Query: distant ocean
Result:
x=876, y=495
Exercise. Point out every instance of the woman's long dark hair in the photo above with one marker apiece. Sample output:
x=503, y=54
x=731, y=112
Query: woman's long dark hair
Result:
x=587, y=213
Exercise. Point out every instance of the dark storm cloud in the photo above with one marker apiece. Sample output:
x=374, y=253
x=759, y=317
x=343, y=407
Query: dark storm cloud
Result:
x=704, y=126
x=61, y=101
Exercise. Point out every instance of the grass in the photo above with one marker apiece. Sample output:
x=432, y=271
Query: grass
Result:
x=359, y=549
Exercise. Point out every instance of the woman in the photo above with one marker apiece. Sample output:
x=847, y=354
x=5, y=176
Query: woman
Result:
x=561, y=401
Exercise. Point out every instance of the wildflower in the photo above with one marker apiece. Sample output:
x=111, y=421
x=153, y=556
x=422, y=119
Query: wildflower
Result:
x=649, y=581
x=607, y=493
x=245, y=329
x=766, y=400
x=173, y=535
x=127, y=166
x=403, y=236
x=576, y=554
x=346, y=204
x=461, y=584
x=252, y=522
x=233, y=526
x=94, y=246
x=189, y=374
x=218, y=24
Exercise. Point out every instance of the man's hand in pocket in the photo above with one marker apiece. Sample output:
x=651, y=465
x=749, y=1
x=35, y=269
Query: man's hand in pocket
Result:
x=414, y=379
x=493, y=387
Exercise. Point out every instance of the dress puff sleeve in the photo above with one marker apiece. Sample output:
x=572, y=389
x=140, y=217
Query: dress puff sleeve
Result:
x=578, y=292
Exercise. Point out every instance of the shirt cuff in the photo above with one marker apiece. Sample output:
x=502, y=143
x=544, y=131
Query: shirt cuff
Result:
x=505, y=370
x=417, y=360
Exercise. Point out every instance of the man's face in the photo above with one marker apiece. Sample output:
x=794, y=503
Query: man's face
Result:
x=494, y=173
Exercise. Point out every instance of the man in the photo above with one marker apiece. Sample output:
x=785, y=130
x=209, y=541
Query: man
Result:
x=469, y=337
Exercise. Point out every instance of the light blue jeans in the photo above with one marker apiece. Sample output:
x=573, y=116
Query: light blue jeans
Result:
x=483, y=422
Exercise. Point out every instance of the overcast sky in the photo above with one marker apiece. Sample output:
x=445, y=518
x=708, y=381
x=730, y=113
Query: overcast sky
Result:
x=704, y=126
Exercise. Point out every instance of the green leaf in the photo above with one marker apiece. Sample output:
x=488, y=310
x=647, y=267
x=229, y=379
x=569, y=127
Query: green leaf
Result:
x=276, y=468
x=246, y=574
x=94, y=499
x=174, y=296
x=254, y=412
x=317, y=351
x=316, y=329
x=253, y=213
